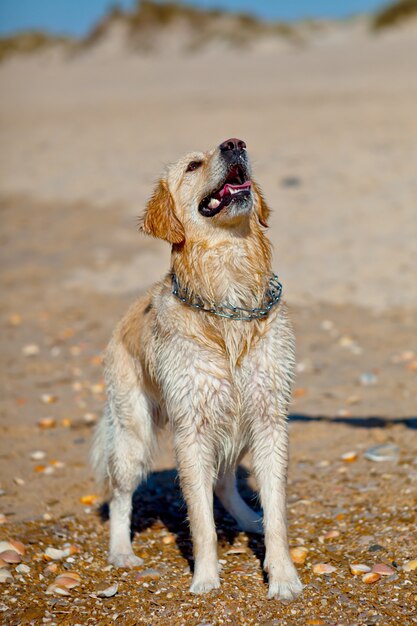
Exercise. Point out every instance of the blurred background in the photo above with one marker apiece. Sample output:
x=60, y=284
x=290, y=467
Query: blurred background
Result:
x=97, y=97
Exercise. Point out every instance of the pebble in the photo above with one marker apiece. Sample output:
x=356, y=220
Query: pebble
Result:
x=37, y=455
x=410, y=566
x=375, y=547
x=370, y=577
x=327, y=325
x=351, y=400
x=368, y=378
x=147, y=574
x=349, y=457
x=383, y=452
x=2, y=518
x=15, y=319
x=299, y=554
x=18, y=481
x=104, y=590
x=383, y=570
x=331, y=534
x=323, y=568
x=22, y=568
x=31, y=349
x=10, y=556
x=359, y=568
x=5, y=576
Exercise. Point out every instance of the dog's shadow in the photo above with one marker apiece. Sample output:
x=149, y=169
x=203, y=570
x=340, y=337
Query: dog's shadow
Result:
x=159, y=498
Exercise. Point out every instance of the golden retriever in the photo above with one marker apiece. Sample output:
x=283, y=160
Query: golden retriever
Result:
x=210, y=351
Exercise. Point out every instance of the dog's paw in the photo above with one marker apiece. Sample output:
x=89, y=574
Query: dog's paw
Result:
x=287, y=588
x=205, y=585
x=125, y=560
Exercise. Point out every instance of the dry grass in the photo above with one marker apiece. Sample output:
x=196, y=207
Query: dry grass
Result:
x=201, y=26
x=395, y=14
x=29, y=42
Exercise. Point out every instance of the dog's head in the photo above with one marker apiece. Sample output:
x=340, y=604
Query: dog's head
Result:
x=205, y=191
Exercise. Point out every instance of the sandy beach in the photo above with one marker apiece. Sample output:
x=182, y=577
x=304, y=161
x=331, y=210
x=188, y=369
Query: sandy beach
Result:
x=332, y=131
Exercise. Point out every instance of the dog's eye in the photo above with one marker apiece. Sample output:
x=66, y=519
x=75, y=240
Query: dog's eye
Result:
x=194, y=165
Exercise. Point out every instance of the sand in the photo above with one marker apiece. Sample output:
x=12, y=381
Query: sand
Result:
x=332, y=132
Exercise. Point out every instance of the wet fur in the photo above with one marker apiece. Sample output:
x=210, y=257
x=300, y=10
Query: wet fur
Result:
x=222, y=386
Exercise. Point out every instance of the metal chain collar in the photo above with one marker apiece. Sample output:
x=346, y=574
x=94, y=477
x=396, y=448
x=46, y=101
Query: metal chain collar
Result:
x=228, y=311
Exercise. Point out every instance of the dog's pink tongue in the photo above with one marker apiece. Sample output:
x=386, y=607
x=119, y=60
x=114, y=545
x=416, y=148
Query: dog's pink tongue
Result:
x=227, y=189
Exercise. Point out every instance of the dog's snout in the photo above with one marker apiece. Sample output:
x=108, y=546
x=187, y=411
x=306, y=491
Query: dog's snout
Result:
x=232, y=145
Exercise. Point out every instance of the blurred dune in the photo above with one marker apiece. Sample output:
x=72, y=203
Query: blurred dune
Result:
x=327, y=109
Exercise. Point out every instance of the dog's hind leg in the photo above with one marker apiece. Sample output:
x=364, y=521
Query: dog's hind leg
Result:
x=228, y=494
x=122, y=455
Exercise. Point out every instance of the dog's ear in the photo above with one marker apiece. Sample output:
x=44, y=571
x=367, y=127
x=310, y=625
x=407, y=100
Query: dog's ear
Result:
x=262, y=209
x=160, y=219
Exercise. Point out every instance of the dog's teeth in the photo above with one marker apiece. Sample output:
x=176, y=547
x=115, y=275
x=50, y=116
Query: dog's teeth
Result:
x=213, y=204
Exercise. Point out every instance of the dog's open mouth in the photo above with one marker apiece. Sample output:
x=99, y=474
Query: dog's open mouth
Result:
x=235, y=187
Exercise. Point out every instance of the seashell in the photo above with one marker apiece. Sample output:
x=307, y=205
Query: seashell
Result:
x=48, y=398
x=384, y=452
x=51, y=568
x=331, y=534
x=10, y=556
x=237, y=550
x=37, y=455
x=168, y=539
x=370, y=577
x=349, y=457
x=55, y=554
x=383, y=570
x=73, y=575
x=298, y=554
x=17, y=546
x=90, y=418
x=55, y=589
x=104, y=590
x=31, y=349
x=5, y=576
x=89, y=499
x=410, y=566
x=359, y=568
x=47, y=422
x=323, y=568
x=23, y=568
x=66, y=581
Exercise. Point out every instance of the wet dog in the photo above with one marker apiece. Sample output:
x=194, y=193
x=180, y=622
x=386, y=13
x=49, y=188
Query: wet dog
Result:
x=209, y=351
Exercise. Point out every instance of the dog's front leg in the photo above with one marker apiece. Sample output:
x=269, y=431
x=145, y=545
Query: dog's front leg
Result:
x=270, y=458
x=195, y=460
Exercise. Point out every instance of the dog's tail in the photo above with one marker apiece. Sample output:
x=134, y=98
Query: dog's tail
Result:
x=99, y=456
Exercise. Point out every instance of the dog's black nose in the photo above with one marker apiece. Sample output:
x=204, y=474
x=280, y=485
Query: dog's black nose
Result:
x=232, y=145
